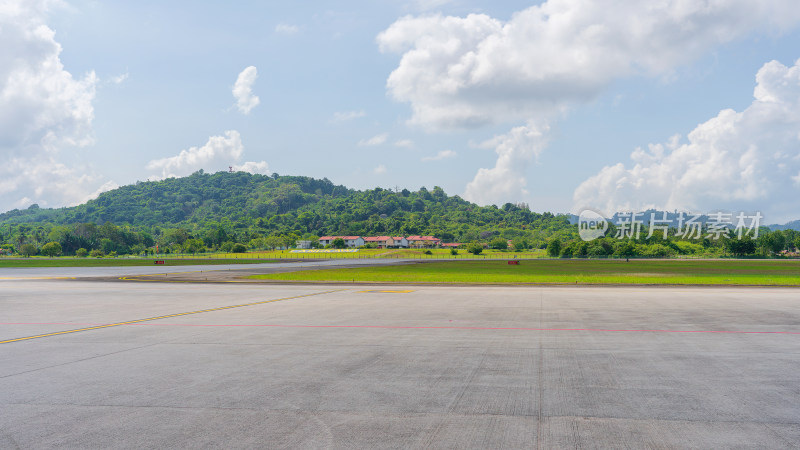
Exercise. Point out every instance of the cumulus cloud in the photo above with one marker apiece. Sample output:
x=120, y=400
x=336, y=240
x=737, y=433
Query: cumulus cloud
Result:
x=47, y=182
x=381, y=169
x=467, y=72
x=374, y=140
x=506, y=180
x=260, y=167
x=475, y=70
x=243, y=90
x=46, y=113
x=444, y=154
x=344, y=116
x=219, y=153
x=739, y=161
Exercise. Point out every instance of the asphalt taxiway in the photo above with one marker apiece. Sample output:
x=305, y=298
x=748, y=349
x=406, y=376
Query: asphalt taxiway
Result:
x=91, y=364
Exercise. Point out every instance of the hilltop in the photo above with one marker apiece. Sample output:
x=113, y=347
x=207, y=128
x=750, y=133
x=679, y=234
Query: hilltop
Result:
x=241, y=205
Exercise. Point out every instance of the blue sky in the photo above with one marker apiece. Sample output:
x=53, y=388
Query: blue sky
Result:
x=537, y=102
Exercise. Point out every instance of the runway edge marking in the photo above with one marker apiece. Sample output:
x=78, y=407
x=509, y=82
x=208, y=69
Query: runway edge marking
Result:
x=8, y=341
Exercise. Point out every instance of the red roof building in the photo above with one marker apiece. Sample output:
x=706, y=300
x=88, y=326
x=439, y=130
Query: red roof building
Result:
x=423, y=241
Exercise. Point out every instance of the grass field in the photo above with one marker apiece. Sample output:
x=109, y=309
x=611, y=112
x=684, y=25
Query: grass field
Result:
x=118, y=262
x=436, y=253
x=663, y=272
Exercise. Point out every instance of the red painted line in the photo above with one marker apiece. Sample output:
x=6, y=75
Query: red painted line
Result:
x=401, y=327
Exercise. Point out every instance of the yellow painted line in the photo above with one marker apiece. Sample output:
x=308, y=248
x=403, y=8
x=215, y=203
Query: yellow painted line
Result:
x=386, y=292
x=166, y=316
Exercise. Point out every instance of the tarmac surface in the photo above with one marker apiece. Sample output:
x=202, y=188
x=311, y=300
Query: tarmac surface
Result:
x=214, y=365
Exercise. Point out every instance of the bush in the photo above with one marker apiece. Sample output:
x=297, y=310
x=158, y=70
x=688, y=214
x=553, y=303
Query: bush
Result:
x=96, y=253
x=238, y=248
x=428, y=252
x=453, y=251
x=28, y=250
x=475, y=248
x=81, y=252
x=499, y=244
x=554, y=248
x=51, y=249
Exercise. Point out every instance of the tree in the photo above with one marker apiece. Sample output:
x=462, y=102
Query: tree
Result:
x=273, y=242
x=554, y=248
x=238, y=248
x=194, y=246
x=626, y=250
x=499, y=243
x=51, y=249
x=28, y=250
x=771, y=243
x=475, y=248
x=741, y=247
x=338, y=243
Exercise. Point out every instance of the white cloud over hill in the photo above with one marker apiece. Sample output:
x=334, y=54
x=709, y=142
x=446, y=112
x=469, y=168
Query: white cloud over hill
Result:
x=466, y=72
x=46, y=113
x=737, y=160
x=218, y=153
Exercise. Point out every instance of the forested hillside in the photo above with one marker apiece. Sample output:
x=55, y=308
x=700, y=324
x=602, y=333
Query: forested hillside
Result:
x=240, y=207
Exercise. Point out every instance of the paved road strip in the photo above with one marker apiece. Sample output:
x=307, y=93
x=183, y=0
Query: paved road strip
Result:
x=130, y=322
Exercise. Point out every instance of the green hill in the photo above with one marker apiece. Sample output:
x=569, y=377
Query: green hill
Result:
x=239, y=207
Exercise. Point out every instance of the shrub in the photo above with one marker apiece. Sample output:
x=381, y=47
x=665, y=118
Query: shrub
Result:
x=96, y=253
x=51, y=249
x=28, y=250
x=475, y=248
x=238, y=248
x=554, y=248
x=453, y=251
x=81, y=252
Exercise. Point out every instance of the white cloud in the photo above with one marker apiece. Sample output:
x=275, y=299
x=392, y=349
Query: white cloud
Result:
x=464, y=72
x=404, y=143
x=737, y=160
x=506, y=181
x=374, y=140
x=444, y=154
x=48, y=182
x=381, y=169
x=119, y=79
x=217, y=154
x=243, y=90
x=260, y=167
x=283, y=28
x=344, y=116
x=467, y=72
x=45, y=112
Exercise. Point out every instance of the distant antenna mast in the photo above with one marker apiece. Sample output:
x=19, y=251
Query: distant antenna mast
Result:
x=230, y=169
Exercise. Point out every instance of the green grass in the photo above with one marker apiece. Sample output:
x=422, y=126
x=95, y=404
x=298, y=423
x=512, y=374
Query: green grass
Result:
x=666, y=272
x=118, y=262
x=436, y=253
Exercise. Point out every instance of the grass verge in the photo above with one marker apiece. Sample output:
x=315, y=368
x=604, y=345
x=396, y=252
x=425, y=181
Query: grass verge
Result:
x=119, y=262
x=662, y=272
